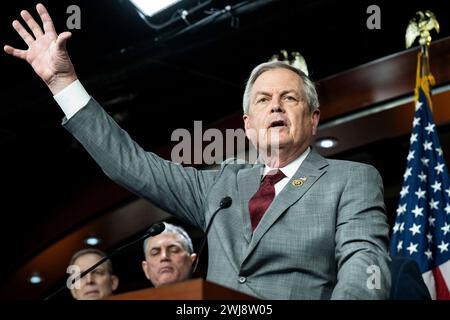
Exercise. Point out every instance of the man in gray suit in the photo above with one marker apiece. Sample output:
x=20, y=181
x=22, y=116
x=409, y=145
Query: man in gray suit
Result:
x=319, y=233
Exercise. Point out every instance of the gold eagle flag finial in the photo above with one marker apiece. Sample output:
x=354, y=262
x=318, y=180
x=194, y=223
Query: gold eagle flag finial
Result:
x=421, y=25
x=297, y=60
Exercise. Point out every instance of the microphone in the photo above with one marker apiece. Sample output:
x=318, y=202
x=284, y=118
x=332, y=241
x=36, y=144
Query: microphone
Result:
x=154, y=230
x=224, y=203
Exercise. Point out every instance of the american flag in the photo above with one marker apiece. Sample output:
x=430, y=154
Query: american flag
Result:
x=422, y=225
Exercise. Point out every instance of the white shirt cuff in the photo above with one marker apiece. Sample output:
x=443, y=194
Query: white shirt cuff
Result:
x=72, y=98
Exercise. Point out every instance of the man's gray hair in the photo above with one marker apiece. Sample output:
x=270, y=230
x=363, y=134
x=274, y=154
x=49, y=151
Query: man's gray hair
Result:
x=186, y=241
x=310, y=89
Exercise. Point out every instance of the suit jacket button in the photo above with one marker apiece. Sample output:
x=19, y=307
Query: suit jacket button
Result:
x=242, y=279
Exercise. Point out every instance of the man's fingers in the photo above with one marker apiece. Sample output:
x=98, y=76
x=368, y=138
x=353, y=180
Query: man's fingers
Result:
x=22, y=32
x=22, y=54
x=35, y=28
x=46, y=19
x=62, y=39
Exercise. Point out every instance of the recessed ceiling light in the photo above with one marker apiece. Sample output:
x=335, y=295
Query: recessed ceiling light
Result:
x=92, y=240
x=35, y=278
x=151, y=7
x=327, y=143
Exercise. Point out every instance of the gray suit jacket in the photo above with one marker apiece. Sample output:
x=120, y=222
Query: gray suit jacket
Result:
x=316, y=241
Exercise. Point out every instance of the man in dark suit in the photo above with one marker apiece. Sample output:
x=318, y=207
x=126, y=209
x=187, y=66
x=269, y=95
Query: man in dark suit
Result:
x=407, y=281
x=300, y=226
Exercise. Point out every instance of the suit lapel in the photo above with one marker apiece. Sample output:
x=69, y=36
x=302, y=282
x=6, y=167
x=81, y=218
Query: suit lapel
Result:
x=309, y=172
x=249, y=181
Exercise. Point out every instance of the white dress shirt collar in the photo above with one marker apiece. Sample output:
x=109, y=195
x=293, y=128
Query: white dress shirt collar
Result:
x=290, y=169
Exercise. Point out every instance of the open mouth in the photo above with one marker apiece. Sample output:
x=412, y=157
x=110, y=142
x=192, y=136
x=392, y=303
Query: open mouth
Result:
x=277, y=124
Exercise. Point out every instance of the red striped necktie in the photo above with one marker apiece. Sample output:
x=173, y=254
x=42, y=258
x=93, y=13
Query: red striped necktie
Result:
x=262, y=199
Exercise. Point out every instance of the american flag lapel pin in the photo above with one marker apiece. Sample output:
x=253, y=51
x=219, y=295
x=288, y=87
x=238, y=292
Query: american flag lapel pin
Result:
x=299, y=182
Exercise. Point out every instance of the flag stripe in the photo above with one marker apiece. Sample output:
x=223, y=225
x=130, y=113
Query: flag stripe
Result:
x=428, y=278
x=442, y=292
x=445, y=271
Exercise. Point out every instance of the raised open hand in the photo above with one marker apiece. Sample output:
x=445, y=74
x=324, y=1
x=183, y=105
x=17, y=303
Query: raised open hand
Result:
x=47, y=52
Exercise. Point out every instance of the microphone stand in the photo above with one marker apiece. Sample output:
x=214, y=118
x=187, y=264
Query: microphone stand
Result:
x=224, y=203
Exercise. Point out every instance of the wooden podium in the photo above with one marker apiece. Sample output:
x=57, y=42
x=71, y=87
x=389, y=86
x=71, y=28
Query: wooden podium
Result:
x=196, y=289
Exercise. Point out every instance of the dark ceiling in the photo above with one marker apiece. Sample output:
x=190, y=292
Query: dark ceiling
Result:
x=155, y=81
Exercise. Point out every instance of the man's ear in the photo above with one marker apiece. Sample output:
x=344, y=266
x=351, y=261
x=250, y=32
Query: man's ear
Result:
x=246, y=121
x=193, y=256
x=250, y=132
x=114, y=282
x=144, y=268
x=315, y=117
